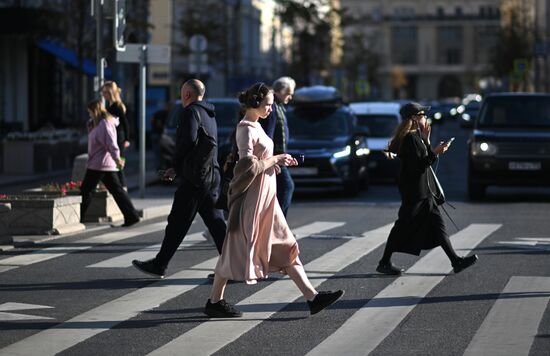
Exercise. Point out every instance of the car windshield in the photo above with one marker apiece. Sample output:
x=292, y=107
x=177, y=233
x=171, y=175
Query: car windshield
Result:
x=516, y=111
x=379, y=125
x=227, y=114
x=319, y=122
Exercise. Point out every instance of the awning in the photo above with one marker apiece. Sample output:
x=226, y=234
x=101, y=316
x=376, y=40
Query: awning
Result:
x=69, y=56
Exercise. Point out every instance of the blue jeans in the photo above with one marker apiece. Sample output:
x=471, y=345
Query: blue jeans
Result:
x=285, y=189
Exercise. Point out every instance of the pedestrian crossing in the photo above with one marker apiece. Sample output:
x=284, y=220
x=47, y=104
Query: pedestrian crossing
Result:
x=509, y=328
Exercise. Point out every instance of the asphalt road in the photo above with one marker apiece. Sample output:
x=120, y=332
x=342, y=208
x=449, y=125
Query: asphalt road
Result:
x=80, y=296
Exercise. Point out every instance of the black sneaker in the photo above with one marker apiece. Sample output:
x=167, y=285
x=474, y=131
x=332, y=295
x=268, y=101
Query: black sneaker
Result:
x=323, y=300
x=150, y=267
x=211, y=277
x=128, y=223
x=221, y=309
x=389, y=269
x=464, y=262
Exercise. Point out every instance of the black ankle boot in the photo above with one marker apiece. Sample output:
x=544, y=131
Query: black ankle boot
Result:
x=389, y=269
x=150, y=267
x=464, y=262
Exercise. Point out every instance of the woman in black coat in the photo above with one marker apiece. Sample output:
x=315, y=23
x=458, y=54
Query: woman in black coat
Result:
x=419, y=225
x=111, y=92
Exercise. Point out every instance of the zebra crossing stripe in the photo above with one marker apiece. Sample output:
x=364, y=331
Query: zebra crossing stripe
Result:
x=512, y=323
x=58, y=251
x=84, y=326
x=211, y=336
x=371, y=324
x=125, y=260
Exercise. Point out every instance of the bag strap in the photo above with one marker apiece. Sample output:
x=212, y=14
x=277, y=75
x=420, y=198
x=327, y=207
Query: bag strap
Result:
x=438, y=186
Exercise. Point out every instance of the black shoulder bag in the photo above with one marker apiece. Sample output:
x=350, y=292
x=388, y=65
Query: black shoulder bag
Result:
x=438, y=193
x=198, y=165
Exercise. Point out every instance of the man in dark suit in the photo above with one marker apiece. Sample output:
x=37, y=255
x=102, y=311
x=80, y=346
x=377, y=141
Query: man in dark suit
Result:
x=276, y=127
x=188, y=198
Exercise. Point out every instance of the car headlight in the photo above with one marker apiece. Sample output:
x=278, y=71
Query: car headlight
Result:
x=363, y=151
x=483, y=149
x=466, y=117
x=437, y=116
x=343, y=153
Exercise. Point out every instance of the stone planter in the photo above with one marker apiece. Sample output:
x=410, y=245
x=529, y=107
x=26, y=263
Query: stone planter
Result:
x=5, y=236
x=43, y=214
x=102, y=209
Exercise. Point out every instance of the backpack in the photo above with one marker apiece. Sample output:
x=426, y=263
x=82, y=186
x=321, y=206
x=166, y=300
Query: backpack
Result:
x=198, y=165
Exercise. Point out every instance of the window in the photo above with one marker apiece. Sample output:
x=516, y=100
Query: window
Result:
x=449, y=44
x=404, y=45
x=486, y=38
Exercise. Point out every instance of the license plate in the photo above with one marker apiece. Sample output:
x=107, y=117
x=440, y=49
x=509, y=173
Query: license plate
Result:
x=524, y=166
x=304, y=171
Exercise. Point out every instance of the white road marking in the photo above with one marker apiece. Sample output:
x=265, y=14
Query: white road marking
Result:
x=84, y=326
x=512, y=323
x=530, y=243
x=213, y=335
x=371, y=324
x=125, y=260
x=10, y=306
x=54, y=252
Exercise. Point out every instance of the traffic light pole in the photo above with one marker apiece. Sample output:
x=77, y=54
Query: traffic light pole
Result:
x=142, y=86
x=100, y=61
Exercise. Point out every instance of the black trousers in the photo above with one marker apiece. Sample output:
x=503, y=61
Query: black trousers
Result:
x=112, y=183
x=121, y=175
x=188, y=201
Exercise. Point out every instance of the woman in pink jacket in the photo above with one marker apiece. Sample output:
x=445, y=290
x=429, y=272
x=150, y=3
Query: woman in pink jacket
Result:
x=104, y=162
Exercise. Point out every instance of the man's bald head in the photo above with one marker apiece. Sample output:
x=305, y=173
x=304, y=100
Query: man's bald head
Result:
x=191, y=91
x=196, y=86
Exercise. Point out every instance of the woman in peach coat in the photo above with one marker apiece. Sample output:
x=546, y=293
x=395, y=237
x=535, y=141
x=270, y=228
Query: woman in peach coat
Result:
x=258, y=239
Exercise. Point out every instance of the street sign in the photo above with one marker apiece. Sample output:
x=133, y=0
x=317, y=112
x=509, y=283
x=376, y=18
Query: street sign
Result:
x=198, y=43
x=156, y=54
x=521, y=65
x=198, y=63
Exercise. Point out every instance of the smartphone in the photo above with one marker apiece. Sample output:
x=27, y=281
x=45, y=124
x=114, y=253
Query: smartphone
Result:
x=449, y=141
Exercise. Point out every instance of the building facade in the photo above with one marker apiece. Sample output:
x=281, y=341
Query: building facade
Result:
x=426, y=49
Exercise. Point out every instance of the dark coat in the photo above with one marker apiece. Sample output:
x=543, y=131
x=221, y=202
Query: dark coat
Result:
x=419, y=225
x=270, y=126
x=123, y=129
x=187, y=130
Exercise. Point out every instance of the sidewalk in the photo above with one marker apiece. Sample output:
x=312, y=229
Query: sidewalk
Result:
x=156, y=203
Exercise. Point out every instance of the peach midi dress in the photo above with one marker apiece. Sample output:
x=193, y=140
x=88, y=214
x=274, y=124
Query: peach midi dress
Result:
x=263, y=241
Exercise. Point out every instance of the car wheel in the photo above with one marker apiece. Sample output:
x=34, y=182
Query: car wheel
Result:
x=476, y=191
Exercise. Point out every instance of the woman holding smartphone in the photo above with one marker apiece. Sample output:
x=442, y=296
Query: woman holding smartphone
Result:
x=419, y=225
x=258, y=240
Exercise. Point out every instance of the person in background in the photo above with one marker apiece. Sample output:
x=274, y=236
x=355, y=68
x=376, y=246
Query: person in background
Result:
x=104, y=162
x=158, y=122
x=419, y=225
x=188, y=198
x=111, y=92
x=258, y=240
x=276, y=127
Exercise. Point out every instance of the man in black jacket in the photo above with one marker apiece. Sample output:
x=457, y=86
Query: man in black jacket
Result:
x=188, y=198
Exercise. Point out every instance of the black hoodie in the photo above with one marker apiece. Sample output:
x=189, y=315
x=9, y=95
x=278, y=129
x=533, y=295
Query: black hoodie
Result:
x=187, y=128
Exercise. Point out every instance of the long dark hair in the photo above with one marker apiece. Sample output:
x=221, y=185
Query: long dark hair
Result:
x=405, y=126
